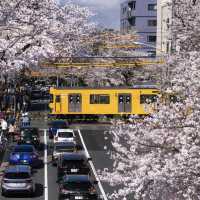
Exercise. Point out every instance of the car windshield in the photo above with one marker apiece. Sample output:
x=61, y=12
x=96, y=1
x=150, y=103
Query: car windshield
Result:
x=73, y=163
x=29, y=135
x=65, y=134
x=15, y=175
x=83, y=186
x=21, y=148
x=59, y=124
x=30, y=132
x=64, y=148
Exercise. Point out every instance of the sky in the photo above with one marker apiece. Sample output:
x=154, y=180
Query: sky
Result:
x=107, y=11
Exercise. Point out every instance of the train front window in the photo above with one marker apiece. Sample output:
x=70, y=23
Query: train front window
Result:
x=99, y=99
x=57, y=99
x=51, y=98
x=148, y=98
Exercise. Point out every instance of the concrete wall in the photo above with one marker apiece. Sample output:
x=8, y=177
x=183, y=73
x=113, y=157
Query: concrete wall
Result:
x=164, y=21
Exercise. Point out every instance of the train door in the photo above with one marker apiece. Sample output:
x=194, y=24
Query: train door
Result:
x=124, y=103
x=74, y=103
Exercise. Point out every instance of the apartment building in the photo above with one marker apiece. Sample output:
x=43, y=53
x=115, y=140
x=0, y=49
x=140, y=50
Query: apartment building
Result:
x=141, y=16
x=164, y=22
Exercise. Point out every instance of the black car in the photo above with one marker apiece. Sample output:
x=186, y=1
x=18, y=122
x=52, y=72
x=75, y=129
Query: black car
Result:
x=55, y=125
x=62, y=147
x=77, y=187
x=29, y=136
x=72, y=163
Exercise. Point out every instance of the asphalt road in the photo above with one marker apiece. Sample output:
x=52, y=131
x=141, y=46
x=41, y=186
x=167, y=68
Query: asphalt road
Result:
x=96, y=142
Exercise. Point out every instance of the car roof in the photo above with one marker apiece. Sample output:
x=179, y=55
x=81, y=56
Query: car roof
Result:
x=73, y=156
x=65, y=130
x=23, y=146
x=58, y=121
x=76, y=178
x=31, y=129
x=64, y=144
x=18, y=169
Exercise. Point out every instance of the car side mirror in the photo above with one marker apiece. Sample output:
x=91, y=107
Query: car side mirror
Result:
x=79, y=147
x=59, y=180
x=89, y=159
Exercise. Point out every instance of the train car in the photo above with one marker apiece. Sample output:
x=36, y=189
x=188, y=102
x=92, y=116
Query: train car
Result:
x=85, y=101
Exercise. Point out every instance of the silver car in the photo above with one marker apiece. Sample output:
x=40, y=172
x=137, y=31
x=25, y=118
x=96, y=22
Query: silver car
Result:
x=62, y=147
x=17, y=179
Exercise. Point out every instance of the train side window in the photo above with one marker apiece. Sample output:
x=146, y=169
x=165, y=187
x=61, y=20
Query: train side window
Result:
x=148, y=98
x=57, y=99
x=93, y=99
x=99, y=99
x=104, y=99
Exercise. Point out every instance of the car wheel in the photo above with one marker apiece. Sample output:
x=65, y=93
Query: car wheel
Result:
x=53, y=162
x=3, y=193
x=32, y=192
x=50, y=136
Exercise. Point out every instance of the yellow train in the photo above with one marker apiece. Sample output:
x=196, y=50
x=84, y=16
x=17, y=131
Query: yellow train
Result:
x=85, y=101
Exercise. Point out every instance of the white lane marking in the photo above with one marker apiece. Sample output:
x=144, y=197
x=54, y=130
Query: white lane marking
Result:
x=45, y=167
x=92, y=166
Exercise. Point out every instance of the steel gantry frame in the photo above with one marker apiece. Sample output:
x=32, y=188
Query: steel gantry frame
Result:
x=105, y=62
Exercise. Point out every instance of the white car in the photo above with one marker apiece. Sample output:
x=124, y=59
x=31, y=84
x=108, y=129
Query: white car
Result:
x=64, y=135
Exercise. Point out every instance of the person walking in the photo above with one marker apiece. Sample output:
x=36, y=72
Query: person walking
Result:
x=4, y=127
x=25, y=120
x=11, y=132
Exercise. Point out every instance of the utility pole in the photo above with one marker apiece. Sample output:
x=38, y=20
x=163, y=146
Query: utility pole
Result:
x=57, y=78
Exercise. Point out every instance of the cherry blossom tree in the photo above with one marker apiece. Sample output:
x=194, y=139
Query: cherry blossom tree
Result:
x=110, y=46
x=158, y=157
x=33, y=29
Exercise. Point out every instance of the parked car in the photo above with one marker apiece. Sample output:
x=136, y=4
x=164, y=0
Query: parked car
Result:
x=62, y=147
x=64, y=135
x=30, y=136
x=24, y=154
x=77, y=187
x=72, y=163
x=17, y=178
x=55, y=125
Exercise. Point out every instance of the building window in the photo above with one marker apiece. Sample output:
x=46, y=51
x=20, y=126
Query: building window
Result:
x=99, y=99
x=151, y=38
x=131, y=21
x=152, y=22
x=123, y=10
x=167, y=23
x=152, y=7
x=132, y=5
x=167, y=47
